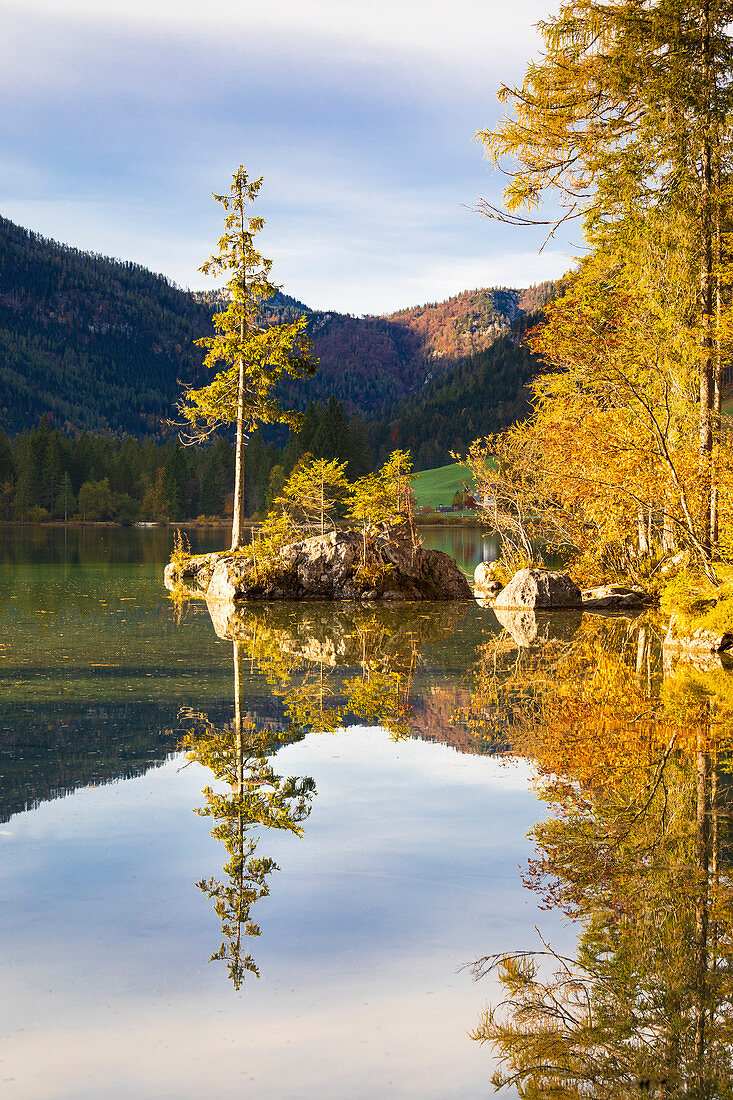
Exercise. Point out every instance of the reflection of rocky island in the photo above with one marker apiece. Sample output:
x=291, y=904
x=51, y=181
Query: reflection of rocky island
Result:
x=331, y=664
x=633, y=759
x=328, y=666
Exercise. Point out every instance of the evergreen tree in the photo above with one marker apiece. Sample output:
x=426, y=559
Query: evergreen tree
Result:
x=255, y=356
x=65, y=504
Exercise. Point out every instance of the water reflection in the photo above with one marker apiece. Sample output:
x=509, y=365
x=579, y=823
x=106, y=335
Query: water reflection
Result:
x=633, y=756
x=327, y=666
x=238, y=755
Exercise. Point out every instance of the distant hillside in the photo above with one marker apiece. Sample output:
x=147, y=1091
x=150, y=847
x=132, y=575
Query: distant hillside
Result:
x=94, y=342
x=460, y=326
x=104, y=345
x=368, y=363
x=433, y=488
x=478, y=396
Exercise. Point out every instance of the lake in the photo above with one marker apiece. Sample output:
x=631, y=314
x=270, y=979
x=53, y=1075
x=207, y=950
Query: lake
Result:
x=261, y=864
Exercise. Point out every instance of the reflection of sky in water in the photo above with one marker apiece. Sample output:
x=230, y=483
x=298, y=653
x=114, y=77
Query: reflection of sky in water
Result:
x=408, y=869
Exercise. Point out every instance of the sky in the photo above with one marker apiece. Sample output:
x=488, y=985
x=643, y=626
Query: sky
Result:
x=121, y=118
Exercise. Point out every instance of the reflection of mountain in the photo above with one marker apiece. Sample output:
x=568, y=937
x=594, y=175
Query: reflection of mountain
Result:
x=433, y=718
x=64, y=727
x=46, y=756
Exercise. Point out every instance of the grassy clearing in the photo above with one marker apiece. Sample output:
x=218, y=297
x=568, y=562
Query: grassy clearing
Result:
x=438, y=486
x=727, y=405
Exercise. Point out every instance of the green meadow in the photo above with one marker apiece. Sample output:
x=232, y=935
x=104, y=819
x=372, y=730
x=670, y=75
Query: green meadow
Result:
x=439, y=486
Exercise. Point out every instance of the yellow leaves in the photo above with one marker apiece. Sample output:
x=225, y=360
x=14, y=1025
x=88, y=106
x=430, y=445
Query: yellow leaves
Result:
x=585, y=712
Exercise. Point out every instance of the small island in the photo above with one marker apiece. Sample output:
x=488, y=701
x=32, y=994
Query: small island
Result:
x=324, y=567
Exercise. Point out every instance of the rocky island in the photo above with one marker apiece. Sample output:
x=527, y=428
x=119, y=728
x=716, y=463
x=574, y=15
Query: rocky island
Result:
x=332, y=566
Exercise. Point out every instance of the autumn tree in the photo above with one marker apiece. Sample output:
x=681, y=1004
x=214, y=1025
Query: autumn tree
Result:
x=313, y=492
x=384, y=497
x=255, y=356
x=608, y=462
x=624, y=123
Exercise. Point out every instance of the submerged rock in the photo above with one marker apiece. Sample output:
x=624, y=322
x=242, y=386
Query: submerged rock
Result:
x=692, y=644
x=539, y=588
x=327, y=567
x=614, y=597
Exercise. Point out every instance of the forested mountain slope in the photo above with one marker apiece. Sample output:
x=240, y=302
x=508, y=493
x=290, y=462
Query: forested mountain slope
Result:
x=104, y=345
x=93, y=342
x=478, y=396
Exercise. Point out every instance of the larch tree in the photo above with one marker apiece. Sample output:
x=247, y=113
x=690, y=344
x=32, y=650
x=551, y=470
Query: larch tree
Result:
x=623, y=120
x=384, y=497
x=313, y=491
x=255, y=355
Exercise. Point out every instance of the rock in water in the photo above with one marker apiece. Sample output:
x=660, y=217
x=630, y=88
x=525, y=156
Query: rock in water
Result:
x=486, y=584
x=327, y=567
x=539, y=588
x=614, y=597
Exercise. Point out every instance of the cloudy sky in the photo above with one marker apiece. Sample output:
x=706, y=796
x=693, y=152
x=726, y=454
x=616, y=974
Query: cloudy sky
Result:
x=121, y=117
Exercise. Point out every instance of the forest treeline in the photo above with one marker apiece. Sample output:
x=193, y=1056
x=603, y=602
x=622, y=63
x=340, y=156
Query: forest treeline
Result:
x=46, y=475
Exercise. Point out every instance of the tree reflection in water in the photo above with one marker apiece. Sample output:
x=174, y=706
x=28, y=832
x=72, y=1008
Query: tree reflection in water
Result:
x=258, y=797
x=324, y=667
x=633, y=759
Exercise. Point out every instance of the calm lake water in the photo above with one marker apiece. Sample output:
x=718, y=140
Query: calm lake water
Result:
x=406, y=869
x=154, y=771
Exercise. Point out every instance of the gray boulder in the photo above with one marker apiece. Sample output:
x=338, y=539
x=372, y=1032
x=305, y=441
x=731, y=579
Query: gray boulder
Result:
x=192, y=576
x=327, y=567
x=539, y=588
x=486, y=584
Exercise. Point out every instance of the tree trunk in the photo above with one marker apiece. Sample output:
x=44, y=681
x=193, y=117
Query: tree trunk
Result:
x=642, y=643
x=669, y=529
x=706, y=284
x=239, y=502
x=717, y=401
x=643, y=540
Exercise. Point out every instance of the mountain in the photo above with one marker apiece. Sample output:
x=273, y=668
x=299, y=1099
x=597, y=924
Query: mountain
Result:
x=104, y=345
x=478, y=396
x=367, y=362
x=93, y=342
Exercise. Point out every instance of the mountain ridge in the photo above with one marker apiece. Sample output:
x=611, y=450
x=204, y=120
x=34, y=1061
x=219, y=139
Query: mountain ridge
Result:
x=104, y=345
